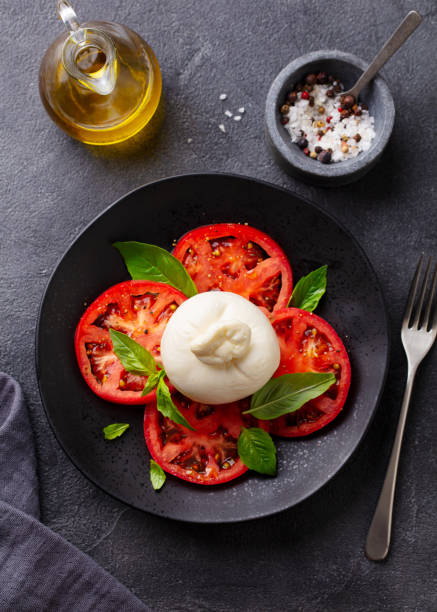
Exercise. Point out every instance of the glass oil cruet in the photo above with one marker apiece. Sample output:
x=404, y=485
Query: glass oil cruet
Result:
x=99, y=81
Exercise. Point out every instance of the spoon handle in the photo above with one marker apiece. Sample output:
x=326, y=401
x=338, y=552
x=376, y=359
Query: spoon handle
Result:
x=396, y=40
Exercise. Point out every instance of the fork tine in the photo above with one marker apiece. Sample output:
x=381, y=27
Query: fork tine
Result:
x=418, y=312
x=413, y=291
x=431, y=297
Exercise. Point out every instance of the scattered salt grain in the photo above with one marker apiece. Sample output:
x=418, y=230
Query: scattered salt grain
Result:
x=242, y=110
x=223, y=96
x=237, y=118
x=190, y=140
x=228, y=113
x=222, y=128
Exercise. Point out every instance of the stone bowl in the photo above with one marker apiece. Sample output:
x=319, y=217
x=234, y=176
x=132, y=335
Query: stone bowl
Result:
x=376, y=95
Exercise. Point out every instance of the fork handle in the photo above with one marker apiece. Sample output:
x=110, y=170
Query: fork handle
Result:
x=378, y=538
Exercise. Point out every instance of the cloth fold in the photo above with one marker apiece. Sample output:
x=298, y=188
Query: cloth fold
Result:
x=18, y=479
x=39, y=570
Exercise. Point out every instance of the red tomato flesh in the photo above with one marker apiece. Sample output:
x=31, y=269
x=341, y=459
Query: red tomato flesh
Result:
x=309, y=344
x=137, y=308
x=207, y=455
x=240, y=259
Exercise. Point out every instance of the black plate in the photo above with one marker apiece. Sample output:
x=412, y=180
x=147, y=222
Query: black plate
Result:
x=159, y=213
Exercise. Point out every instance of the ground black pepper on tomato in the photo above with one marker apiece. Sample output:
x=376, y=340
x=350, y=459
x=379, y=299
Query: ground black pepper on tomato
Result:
x=309, y=344
x=237, y=258
x=138, y=308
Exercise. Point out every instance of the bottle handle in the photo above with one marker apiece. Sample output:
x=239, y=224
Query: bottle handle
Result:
x=67, y=14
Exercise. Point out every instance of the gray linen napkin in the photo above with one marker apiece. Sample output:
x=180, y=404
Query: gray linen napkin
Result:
x=39, y=570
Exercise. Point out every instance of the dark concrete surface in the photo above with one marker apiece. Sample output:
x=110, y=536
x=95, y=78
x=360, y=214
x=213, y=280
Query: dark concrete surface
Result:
x=310, y=558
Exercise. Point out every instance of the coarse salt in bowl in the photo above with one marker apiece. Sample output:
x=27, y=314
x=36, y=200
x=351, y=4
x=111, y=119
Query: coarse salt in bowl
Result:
x=374, y=126
x=321, y=125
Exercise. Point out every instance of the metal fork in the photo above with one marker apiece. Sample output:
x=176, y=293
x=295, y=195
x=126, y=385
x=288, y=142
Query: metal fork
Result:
x=418, y=336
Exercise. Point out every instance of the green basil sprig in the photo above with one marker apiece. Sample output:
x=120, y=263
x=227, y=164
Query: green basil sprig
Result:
x=287, y=393
x=257, y=450
x=157, y=475
x=152, y=382
x=115, y=430
x=135, y=358
x=308, y=291
x=150, y=262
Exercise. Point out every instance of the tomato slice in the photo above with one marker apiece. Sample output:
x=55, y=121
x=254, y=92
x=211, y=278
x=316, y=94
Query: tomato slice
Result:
x=207, y=455
x=237, y=258
x=309, y=344
x=138, y=308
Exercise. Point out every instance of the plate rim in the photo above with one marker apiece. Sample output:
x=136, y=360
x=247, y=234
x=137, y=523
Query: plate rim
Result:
x=386, y=327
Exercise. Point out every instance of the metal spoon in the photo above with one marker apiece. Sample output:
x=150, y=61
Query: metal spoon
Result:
x=396, y=40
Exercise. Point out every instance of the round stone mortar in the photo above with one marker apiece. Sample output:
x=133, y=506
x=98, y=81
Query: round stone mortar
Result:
x=347, y=68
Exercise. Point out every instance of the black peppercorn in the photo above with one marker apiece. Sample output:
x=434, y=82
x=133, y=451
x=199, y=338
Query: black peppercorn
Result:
x=310, y=79
x=302, y=143
x=292, y=96
x=318, y=150
x=322, y=78
x=330, y=93
x=347, y=101
x=324, y=157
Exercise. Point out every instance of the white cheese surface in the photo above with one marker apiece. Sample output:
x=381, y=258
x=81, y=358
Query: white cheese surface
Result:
x=218, y=347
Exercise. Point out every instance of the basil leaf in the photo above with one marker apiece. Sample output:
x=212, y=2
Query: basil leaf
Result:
x=157, y=475
x=151, y=383
x=165, y=404
x=115, y=430
x=257, y=450
x=133, y=356
x=149, y=262
x=288, y=393
x=308, y=291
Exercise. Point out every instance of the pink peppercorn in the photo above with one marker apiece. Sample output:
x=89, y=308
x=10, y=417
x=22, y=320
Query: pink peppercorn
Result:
x=305, y=95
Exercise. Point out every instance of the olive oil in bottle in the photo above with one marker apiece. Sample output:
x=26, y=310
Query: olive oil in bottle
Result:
x=99, y=81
